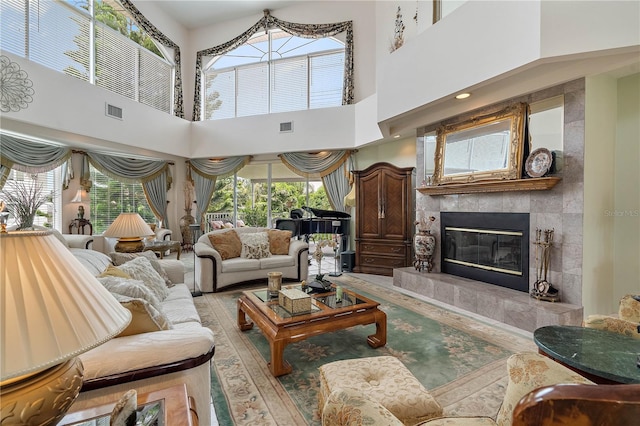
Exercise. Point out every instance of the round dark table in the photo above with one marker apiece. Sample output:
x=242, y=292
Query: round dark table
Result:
x=603, y=357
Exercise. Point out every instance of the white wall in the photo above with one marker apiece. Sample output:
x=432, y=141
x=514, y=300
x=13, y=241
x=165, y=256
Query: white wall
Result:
x=599, y=182
x=626, y=221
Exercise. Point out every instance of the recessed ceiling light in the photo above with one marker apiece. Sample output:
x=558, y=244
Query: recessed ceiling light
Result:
x=396, y=136
x=463, y=95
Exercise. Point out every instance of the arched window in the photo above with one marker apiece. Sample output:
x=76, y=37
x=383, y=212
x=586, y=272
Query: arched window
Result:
x=274, y=72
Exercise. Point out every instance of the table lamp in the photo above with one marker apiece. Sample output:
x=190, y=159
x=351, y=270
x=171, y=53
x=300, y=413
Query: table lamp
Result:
x=77, y=199
x=130, y=229
x=52, y=310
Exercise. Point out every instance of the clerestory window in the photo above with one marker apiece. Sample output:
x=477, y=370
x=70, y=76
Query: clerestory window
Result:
x=274, y=72
x=97, y=42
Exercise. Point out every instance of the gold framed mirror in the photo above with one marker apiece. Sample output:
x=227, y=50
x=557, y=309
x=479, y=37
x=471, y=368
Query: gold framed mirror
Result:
x=489, y=147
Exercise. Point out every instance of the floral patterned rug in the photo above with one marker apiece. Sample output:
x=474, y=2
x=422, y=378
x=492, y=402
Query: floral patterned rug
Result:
x=460, y=360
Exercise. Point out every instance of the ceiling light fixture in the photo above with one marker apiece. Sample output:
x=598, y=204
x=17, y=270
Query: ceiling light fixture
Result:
x=396, y=136
x=463, y=95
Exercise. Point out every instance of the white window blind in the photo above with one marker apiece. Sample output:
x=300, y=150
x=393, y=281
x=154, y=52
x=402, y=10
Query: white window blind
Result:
x=327, y=75
x=154, y=74
x=110, y=197
x=289, y=85
x=116, y=63
x=253, y=90
x=12, y=30
x=219, y=97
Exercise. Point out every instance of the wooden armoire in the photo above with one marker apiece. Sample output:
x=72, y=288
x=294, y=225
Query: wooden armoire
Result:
x=384, y=218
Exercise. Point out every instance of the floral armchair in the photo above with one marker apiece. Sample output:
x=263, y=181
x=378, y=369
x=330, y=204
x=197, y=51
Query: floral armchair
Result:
x=627, y=322
x=527, y=371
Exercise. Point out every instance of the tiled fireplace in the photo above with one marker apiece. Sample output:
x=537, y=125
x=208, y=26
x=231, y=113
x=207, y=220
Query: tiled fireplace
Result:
x=559, y=208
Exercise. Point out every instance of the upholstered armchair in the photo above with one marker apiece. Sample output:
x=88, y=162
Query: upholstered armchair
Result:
x=627, y=322
x=527, y=372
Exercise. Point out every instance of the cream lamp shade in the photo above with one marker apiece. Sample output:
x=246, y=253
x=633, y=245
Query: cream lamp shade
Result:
x=78, y=197
x=129, y=228
x=52, y=310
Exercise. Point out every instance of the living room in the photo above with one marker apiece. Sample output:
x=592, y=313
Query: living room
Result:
x=585, y=51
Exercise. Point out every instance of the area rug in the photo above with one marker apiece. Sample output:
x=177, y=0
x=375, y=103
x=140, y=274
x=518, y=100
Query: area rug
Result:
x=461, y=360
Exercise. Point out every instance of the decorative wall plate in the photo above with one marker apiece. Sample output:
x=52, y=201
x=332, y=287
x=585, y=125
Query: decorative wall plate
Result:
x=539, y=162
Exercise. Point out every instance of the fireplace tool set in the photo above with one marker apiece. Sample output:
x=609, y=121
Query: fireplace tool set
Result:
x=542, y=289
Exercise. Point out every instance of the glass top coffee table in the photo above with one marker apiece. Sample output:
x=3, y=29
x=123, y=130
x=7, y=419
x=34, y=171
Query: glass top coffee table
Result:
x=604, y=357
x=326, y=315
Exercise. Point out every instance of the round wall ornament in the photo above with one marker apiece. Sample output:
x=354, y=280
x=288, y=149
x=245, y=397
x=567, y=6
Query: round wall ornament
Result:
x=539, y=162
x=16, y=89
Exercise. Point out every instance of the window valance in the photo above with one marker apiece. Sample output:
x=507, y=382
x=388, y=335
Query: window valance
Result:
x=309, y=163
x=29, y=156
x=218, y=168
x=298, y=30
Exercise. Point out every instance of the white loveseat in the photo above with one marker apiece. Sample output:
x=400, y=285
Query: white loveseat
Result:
x=155, y=359
x=213, y=273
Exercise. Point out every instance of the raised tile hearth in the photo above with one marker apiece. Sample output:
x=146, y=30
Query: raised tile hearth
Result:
x=512, y=307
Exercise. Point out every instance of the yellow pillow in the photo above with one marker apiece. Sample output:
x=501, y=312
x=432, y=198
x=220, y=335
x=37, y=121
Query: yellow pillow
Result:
x=144, y=317
x=279, y=241
x=228, y=244
x=113, y=271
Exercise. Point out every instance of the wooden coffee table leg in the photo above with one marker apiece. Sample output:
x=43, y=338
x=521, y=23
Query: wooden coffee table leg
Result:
x=179, y=250
x=243, y=324
x=278, y=366
x=380, y=338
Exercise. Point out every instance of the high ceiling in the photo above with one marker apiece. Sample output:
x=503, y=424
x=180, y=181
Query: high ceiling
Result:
x=200, y=13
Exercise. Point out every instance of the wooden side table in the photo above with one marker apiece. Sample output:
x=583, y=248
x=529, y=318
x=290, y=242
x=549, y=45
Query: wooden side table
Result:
x=79, y=224
x=179, y=408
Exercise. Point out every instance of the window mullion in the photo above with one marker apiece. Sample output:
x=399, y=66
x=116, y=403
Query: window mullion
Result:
x=92, y=44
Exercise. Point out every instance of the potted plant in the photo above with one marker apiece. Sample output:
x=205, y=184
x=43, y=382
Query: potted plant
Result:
x=23, y=199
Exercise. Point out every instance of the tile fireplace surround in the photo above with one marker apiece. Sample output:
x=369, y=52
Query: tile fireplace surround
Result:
x=559, y=208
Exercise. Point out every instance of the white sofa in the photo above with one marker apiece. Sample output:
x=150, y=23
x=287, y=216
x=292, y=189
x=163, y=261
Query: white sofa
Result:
x=212, y=273
x=155, y=359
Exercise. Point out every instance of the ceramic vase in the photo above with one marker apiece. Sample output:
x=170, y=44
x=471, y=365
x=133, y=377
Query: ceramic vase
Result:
x=424, y=245
x=185, y=221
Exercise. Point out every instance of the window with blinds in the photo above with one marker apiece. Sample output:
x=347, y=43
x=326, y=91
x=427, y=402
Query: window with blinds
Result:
x=271, y=73
x=110, y=197
x=46, y=184
x=57, y=34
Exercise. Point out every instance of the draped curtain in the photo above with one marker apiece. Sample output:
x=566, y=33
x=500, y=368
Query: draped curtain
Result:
x=28, y=156
x=204, y=173
x=332, y=166
x=149, y=28
x=154, y=176
x=298, y=30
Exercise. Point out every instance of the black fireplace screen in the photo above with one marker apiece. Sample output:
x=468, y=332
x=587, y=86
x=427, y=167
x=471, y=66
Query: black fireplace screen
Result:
x=498, y=251
x=489, y=247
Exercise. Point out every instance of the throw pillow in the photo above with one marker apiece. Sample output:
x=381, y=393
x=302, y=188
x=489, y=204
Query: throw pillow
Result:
x=140, y=269
x=228, y=244
x=130, y=288
x=122, y=258
x=114, y=271
x=144, y=317
x=279, y=241
x=255, y=245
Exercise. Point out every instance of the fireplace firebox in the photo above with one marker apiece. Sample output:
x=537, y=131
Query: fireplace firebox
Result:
x=488, y=247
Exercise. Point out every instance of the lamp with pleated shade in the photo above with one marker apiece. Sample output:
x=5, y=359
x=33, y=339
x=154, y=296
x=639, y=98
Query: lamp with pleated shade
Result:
x=130, y=229
x=77, y=199
x=52, y=310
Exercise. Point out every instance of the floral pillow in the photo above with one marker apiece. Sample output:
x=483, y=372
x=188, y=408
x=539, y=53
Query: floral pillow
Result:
x=255, y=245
